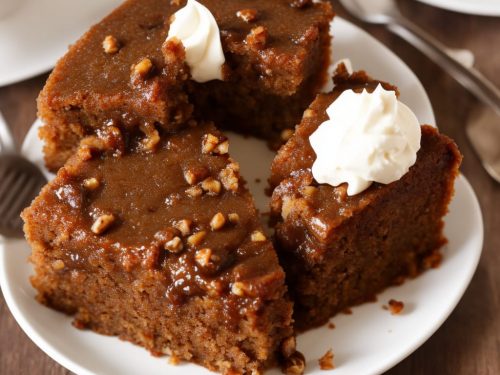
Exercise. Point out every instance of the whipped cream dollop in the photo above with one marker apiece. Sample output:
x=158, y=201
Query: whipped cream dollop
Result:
x=369, y=137
x=195, y=26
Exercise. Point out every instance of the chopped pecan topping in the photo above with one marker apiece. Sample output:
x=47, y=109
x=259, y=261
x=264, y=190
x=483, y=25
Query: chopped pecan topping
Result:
x=229, y=176
x=211, y=186
x=258, y=236
x=205, y=257
x=102, y=223
x=308, y=191
x=238, y=288
x=257, y=39
x=209, y=143
x=395, y=307
x=174, y=245
x=194, y=191
x=91, y=183
x=110, y=44
x=184, y=226
x=295, y=364
x=197, y=238
x=308, y=113
x=190, y=177
x=247, y=15
x=222, y=148
x=152, y=139
x=142, y=69
x=218, y=221
x=234, y=218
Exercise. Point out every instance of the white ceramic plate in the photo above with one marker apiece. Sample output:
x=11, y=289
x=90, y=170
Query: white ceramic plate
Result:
x=35, y=33
x=369, y=341
x=478, y=7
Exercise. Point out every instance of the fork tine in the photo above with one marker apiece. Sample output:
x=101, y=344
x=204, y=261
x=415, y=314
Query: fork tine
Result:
x=6, y=200
x=7, y=179
x=20, y=201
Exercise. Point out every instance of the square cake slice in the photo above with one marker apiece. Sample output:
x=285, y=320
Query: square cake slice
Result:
x=339, y=250
x=276, y=56
x=162, y=249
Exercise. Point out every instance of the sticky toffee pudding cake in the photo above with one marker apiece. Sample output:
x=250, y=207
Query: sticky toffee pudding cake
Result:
x=164, y=250
x=340, y=250
x=123, y=72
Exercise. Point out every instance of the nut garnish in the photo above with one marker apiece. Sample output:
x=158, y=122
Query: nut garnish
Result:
x=91, y=183
x=308, y=191
x=209, y=143
x=194, y=191
x=152, y=138
x=174, y=360
x=211, y=186
x=295, y=364
x=110, y=44
x=190, y=177
x=234, y=218
x=247, y=15
x=184, y=226
x=218, y=221
x=395, y=307
x=102, y=223
x=308, y=113
x=58, y=265
x=142, y=69
x=205, y=257
x=257, y=37
x=174, y=245
x=326, y=362
x=258, y=236
x=196, y=238
x=229, y=177
x=238, y=288
x=222, y=148
x=286, y=134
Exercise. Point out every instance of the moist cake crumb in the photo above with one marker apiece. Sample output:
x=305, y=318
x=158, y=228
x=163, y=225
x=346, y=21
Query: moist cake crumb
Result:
x=326, y=362
x=396, y=307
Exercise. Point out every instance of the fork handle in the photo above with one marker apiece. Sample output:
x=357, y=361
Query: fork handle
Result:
x=7, y=144
x=470, y=78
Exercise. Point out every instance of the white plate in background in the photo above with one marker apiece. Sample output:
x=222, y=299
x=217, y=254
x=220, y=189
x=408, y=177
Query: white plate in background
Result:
x=477, y=7
x=35, y=33
x=369, y=341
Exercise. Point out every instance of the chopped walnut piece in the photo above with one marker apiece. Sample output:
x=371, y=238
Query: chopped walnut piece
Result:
x=211, y=186
x=257, y=38
x=238, y=288
x=258, y=236
x=205, y=257
x=174, y=245
x=308, y=191
x=194, y=191
x=91, y=183
x=395, y=307
x=234, y=218
x=308, y=113
x=286, y=134
x=229, y=177
x=209, y=143
x=142, y=69
x=326, y=362
x=196, y=238
x=184, y=226
x=58, y=265
x=102, y=223
x=190, y=177
x=294, y=365
x=174, y=360
x=247, y=15
x=222, y=148
x=218, y=221
x=152, y=139
x=288, y=346
x=110, y=44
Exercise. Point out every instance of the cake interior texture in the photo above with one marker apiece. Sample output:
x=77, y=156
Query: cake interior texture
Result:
x=165, y=250
x=276, y=61
x=339, y=250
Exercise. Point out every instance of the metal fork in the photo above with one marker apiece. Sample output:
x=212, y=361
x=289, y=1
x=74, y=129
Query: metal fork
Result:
x=483, y=128
x=20, y=182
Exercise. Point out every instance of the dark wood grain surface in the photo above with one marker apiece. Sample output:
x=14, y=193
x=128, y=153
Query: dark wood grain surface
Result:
x=469, y=341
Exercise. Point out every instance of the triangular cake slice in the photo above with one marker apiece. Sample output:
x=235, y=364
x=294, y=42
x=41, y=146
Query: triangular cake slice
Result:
x=340, y=250
x=163, y=249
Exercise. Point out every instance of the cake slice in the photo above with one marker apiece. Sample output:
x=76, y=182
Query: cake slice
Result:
x=121, y=73
x=339, y=250
x=163, y=249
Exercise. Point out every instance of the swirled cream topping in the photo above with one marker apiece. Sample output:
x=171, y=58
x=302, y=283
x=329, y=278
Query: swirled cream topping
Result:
x=195, y=26
x=369, y=137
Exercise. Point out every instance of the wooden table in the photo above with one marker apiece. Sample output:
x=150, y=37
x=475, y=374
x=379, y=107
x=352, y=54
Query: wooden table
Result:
x=469, y=341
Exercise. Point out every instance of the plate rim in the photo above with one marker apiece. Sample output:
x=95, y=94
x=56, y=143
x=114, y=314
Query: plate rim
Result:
x=483, y=9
